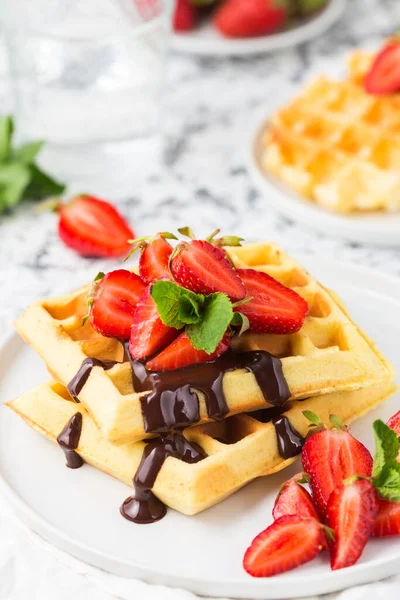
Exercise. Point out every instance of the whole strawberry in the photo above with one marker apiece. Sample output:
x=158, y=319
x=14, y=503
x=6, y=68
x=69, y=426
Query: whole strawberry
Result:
x=250, y=18
x=185, y=16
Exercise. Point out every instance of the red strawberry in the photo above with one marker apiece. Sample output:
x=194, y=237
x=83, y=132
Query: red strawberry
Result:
x=288, y=543
x=185, y=16
x=384, y=76
x=153, y=263
x=329, y=457
x=394, y=423
x=204, y=269
x=294, y=499
x=180, y=353
x=274, y=307
x=250, y=18
x=148, y=334
x=388, y=520
x=351, y=513
x=115, y=297
x=93, y=227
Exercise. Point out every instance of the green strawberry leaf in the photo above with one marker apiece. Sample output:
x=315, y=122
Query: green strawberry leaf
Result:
x=216, y=318
x=240, y=320
x=312, y=417
x=27, y=153
x=14, y=178
x=176, y=305
x=42, y=185
x=6, y=132
x=387, y=447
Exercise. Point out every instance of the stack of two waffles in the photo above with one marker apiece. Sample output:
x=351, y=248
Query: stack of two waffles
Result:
x=104, y=408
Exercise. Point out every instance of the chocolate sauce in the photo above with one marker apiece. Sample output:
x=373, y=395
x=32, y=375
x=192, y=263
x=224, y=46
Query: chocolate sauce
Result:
x=290, y=442
x=68, y=440
x=76, y=384
x=144, y=507
x=172, y=404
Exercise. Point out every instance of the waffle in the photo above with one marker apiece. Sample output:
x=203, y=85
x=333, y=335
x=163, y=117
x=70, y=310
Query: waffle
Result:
x=328, y=354
x=337, y=145
x=238, y=449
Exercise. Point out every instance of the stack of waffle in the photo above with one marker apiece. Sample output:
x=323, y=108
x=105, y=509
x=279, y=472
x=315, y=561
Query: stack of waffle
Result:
x=330, y=365
x=337, y=145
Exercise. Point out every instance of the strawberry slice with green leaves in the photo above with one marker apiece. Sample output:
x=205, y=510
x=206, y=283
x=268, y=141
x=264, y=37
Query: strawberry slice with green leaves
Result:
x=93, y=227
x=294, y=499
x=351, y=512
x=155, y=253
x=273, y=307
x=181, y=353
x=113, y=302
x=204, y=268
x=330, y=456
x=384, y=75
x=148, y=334
x=289, y=542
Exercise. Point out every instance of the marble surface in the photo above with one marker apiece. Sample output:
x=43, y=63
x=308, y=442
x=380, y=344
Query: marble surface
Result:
x=209, y=110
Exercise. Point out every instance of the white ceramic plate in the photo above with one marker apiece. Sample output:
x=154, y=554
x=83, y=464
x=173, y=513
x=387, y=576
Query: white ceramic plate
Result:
x=379, y=229
x=78, y=510
x=207, y=41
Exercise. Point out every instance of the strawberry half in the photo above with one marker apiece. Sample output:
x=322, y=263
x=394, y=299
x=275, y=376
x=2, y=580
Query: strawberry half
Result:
x=114, y=300
x=384, y=75
x=93, y=227
x=181, y=353
x=329, y=457
x=203, y=268
x=388, y=520
x=294, y=499
x=394, y=423
x=250, y=18
x=185, y=16
x=148, y=334
x=154, y=257
x=351, y=514
x=288, y=543
x=274, y=307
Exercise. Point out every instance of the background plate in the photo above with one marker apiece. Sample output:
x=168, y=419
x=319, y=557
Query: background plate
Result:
x=206, y=41
x=78, y=510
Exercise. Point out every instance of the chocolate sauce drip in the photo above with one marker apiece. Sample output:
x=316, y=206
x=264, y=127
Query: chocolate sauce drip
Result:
x=68, y=440
x=290, y=442
x=172, y=404
x=265, y=415
x=144, y=507
x=76, y=384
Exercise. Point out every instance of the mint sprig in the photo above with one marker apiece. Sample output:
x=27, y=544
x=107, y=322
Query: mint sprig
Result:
x=205, y=318
x=386, y=469
x=20, y=177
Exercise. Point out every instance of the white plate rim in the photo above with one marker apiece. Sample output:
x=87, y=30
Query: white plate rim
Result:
x=379, y=283
x=202, y=46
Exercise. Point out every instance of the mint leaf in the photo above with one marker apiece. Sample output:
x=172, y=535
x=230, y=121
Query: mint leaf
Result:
x=240, y=320
x=14, y=178
x=176, y=305
x=42, y=185
x=387, y=447
x=209, y=331
x=6, y=131
x=387, y=482
x=27, y=153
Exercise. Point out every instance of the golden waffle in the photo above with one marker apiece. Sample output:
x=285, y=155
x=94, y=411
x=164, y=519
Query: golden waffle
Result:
x=337, y=145
x=238, y=449
x=328, y=354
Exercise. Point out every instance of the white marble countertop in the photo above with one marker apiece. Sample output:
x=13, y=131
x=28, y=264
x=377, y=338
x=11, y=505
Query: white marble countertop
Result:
x=203, y=180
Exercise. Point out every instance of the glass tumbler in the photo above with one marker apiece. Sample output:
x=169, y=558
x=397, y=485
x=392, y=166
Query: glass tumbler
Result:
x=88, y=79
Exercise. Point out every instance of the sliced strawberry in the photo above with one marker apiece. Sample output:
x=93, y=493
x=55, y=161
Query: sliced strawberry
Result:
x=384, y=76
x=148, y=334
x=274, y=307
x=351, y=514
x=288, y=543
x=93, y=227
x=203, y=268
x=394, y=422
x=294, y=499
x=115, y=298
x=153, y=263
x=329, y=457
x=181, y=353
x=185, y=16
x=250, y=18
x=388, y=520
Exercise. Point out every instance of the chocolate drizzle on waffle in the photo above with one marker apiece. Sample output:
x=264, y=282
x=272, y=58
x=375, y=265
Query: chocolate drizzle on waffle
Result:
x=144, y=507
x=290, y=442
x=68, y=440
x=76, y=384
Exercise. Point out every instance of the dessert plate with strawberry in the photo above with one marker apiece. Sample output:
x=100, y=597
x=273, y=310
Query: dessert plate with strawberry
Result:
x=211, y=365
x=241, y=27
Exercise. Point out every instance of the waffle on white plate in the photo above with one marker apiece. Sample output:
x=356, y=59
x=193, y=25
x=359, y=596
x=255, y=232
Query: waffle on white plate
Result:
x=337, y=145
x=329, y=353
